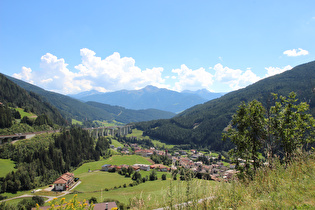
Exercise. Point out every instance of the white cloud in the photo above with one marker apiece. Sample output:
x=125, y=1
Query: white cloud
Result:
x=189, y=79
x=276, y=70
x=110, y=74
x=234, y=78
x=294, y=52
x=26, y=74
x=115, y=73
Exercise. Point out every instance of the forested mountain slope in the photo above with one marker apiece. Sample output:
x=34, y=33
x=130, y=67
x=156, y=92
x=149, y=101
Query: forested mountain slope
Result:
x=129, y=115
x=12, y=94
x=203, y=124
x=72, y=108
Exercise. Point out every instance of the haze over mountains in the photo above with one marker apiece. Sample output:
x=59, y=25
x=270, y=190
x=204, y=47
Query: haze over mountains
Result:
x=150, y=97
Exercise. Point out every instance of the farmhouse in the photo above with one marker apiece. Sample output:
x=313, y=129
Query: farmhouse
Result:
x=143, y=167
x=144, y=152
x=159, y=167
x=106, y=206
x=64, y=182
x=106, y=167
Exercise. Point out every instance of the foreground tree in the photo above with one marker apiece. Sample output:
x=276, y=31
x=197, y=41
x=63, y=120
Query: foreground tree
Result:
x=292, y=127
x=247, y=133
x=281, y=130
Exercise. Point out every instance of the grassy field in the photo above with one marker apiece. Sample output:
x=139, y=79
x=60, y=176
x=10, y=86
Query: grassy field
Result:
x=74, y=121
x=151, y=193
x=108, y=124
x=6, y=166
x=138, y=133
x=117, y=143
x=99, y=180
x=114, y=160
x=27, y=114
x=15, y=202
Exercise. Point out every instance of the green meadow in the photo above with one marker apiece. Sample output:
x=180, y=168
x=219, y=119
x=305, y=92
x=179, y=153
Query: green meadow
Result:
x=99, y=180
x=138, y=133
x=114, y=160
x=76, y=122
x=117, y=143
x=106, y=185
x=6, y=166
x=23, y=114
x=152, y=194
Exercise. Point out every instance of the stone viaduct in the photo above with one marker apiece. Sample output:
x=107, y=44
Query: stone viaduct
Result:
x=109, y=131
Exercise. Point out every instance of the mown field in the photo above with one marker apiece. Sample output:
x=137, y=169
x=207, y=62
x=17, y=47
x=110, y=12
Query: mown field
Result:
x=106, y=185
x=114, y=160
x=152, y=194
x=6, y=166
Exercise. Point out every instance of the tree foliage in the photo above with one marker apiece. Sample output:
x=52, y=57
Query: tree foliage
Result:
x=41, y=162
x=280, y=130
x=5, y=116
x=15, y=96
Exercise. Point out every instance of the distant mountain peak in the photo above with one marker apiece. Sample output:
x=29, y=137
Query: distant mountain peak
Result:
x=150, y=88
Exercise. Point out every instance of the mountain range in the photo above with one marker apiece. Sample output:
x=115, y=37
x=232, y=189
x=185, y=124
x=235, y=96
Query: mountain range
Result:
x=150, y=97
x=202, y=125
x=71, y=108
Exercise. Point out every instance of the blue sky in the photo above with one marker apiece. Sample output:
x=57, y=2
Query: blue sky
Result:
x=74, y=46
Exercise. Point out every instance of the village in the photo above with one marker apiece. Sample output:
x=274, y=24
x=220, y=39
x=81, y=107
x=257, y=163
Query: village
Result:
x=218, y=171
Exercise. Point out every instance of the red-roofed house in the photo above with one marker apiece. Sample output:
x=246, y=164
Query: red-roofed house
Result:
x=64, y=182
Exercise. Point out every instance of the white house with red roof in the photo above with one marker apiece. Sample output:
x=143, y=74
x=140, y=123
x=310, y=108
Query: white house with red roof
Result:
x=64, y=182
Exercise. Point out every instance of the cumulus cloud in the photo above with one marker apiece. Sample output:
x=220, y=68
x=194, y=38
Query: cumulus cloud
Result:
x=276, y=70
x=295, y=52
x=109, y=74
x=189, y=79
x=234, y=78
x=26, y=74
x=115, y=73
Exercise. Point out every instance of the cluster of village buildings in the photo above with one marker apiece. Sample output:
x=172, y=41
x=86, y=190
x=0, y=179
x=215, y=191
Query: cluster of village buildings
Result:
x=217, y=171
x=181, y=158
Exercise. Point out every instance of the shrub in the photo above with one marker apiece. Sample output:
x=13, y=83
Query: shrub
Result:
x=92, y=200
x=153, y=175
x=39, y=200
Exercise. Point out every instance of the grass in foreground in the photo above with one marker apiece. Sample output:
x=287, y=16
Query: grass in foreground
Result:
x=282, y=188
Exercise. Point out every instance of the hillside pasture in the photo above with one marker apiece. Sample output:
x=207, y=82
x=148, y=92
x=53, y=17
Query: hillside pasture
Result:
x=23, y=113
x=6, y=166
x=117, y=143
x=139, y=135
